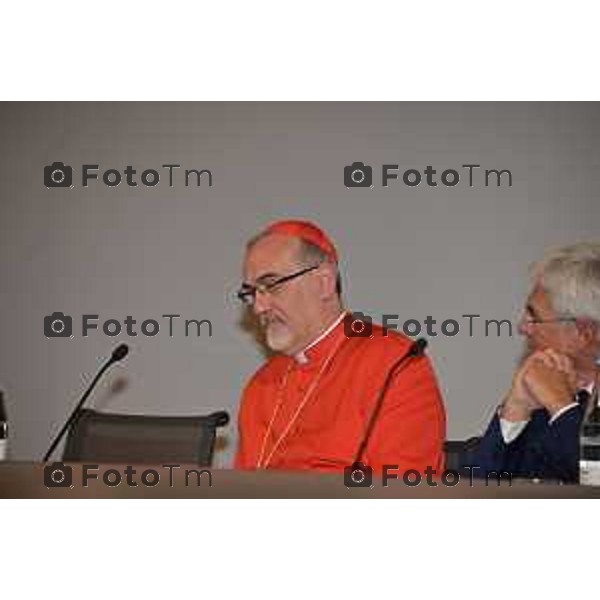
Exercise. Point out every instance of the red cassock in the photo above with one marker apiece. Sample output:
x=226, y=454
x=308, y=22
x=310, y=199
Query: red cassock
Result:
x=313, y=414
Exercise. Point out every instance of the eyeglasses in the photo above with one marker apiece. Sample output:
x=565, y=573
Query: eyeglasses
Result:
x=535, y=321
x=247, y=293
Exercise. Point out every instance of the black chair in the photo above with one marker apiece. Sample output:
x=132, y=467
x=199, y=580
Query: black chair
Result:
x=458, y=451
x=108, y=437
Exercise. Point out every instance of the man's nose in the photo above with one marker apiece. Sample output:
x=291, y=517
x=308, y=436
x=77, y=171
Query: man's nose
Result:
x=262, y=303
x=524, y=326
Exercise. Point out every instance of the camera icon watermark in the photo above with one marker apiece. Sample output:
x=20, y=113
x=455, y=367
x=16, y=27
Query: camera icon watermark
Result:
x=58, y=175
x=58, y=475
x=358, y=324
x=358, y=475
x=58, y=325
x=358, y=175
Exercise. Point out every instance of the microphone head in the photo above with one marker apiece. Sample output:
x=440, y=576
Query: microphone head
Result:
x=418, y=347
x=119, y=353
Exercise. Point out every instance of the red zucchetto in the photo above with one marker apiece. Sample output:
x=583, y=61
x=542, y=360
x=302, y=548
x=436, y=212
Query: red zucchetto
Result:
x=307, y=231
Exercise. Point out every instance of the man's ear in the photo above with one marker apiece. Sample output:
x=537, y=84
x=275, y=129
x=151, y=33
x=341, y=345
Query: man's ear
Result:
x=587, y=330
x=327, y=277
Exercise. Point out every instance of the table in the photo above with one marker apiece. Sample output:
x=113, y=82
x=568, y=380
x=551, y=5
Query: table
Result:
x=27, y=480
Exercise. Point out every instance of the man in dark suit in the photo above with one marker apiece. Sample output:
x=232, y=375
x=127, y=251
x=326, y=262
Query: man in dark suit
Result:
x=535, y=431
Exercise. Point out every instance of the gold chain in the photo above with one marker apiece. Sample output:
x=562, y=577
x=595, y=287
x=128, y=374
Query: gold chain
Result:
x=262, y=464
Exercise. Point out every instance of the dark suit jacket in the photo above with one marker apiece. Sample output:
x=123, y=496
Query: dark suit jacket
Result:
x=544, y=450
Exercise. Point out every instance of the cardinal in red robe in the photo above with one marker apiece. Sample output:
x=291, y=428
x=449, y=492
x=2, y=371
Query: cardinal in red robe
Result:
x=311, y=405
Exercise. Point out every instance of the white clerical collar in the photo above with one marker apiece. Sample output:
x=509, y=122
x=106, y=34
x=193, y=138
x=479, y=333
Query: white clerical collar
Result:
x=301, y=357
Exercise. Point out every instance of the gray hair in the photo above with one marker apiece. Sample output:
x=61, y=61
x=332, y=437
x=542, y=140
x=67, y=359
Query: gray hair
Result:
x=571, y=277
x=311, y=253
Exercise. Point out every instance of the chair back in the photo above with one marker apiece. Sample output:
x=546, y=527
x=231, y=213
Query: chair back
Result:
x=109, y=437
x=458, y=451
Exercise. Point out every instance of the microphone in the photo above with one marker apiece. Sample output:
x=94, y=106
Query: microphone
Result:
x=119, y=353
x=417, y=348
x=3, y=429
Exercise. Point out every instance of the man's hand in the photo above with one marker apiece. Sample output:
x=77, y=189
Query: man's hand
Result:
x=549, y=379
x=519, y=403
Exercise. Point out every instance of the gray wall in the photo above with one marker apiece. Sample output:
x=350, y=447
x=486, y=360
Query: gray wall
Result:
x=440, y=251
